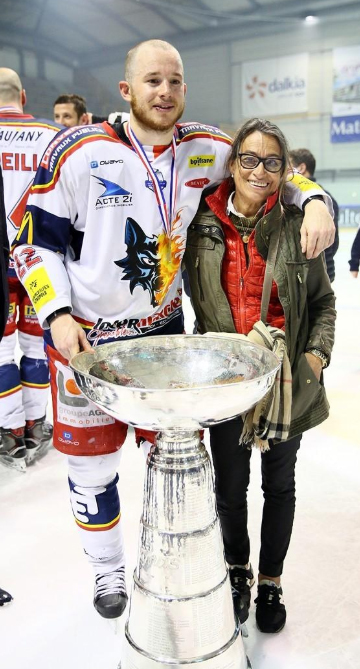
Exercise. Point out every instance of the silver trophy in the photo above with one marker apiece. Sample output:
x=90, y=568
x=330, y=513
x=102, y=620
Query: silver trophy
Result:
x=181, y=609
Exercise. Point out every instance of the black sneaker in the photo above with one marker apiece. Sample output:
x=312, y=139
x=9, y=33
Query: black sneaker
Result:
x=270, y=610
x=110, y=595
x=241, y=579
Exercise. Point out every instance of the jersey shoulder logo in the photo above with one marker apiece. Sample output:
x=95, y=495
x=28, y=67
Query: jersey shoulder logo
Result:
x=189, y=131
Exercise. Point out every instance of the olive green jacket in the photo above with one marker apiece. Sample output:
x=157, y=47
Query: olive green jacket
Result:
x=304, y=291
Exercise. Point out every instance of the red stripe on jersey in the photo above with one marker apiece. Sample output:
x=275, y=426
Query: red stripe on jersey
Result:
x=83, y=322
x=159, y=149
x=206, y=135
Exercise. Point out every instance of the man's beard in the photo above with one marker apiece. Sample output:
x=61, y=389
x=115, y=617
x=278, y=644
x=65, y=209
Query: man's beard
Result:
x=144, y=118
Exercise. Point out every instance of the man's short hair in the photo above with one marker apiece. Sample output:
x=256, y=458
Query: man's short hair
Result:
x=131, y=55
x=298, y=156
x=77, y=100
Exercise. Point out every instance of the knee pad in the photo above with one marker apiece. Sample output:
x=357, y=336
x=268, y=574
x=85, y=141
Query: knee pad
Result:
x=34, y=371
x=9, y=379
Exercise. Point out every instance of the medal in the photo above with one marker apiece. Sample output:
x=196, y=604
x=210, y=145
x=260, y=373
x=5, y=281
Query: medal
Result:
x=166, y=212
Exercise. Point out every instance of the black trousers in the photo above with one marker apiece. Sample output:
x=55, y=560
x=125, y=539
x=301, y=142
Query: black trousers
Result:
x=232, y=474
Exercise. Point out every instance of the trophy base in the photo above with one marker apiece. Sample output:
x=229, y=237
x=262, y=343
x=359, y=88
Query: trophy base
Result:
x=232, y=656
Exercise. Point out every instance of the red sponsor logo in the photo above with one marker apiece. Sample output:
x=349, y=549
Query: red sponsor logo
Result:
x=197, y=183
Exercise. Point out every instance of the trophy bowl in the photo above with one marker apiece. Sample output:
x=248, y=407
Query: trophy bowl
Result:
x=181, y=382
x=181, y=610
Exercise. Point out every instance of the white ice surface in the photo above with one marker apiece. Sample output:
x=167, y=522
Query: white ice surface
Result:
x=51, y=624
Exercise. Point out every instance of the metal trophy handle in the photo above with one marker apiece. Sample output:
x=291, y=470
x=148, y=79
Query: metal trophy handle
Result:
x=181, y=609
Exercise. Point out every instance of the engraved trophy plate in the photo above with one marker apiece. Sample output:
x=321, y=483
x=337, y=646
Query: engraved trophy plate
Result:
x=181, y=609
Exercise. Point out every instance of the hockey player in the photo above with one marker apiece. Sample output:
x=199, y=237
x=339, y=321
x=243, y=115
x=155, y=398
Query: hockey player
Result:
x=70, y=110
x=100, y=251
x=24, y=433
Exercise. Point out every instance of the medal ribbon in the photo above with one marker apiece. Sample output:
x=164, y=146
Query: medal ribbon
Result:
x=166, y=213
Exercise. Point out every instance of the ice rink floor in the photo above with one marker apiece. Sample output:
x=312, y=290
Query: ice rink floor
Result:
x=51, y=624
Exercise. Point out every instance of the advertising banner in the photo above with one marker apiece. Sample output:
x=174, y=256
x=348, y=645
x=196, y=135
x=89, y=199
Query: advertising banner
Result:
x=275, y=86
x=345, y=122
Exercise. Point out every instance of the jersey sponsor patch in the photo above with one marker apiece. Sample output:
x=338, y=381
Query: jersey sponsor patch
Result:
x=30, y=313
x=303, y=183
x=73, y=408
x=201, y=161
x=114, y=195
x=197, y=183
x=39, y=288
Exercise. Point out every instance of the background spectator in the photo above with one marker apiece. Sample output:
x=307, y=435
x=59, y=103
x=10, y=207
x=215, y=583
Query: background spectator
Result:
x=305, y=163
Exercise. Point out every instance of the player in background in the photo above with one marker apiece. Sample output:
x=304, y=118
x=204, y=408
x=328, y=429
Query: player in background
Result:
x=70, y=110
x=24, y=389
x=100, y=250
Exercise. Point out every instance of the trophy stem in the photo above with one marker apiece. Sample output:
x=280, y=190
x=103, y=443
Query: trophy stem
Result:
x=181, y=609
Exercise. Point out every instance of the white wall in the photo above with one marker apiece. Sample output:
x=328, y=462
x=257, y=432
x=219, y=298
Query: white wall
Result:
x=207, y=74
x=9, y=58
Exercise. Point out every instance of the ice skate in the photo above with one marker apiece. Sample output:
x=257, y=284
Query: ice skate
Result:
x=38, y=434
x=5, y=597
x=13, y=449
x=110, y=595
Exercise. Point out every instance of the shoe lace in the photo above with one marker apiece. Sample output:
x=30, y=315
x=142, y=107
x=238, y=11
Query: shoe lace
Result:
x=268, y=595
x=239, y=579
x=111, y=583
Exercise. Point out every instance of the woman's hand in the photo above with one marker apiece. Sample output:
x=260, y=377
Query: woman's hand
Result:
x=318, y=229
x=68, y=336
x=315, y=364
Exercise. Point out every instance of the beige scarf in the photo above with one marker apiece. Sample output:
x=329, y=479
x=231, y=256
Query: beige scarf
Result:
x=270, y=418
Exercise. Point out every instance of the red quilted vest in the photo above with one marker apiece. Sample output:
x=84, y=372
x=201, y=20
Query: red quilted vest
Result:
x=242, y=280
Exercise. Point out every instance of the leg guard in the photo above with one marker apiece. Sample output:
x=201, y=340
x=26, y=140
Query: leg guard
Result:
x=96, y=508
x=34, y=371
x=12, y=414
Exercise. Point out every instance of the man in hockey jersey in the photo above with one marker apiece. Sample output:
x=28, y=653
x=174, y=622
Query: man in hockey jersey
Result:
x=24, y=390
x=100, y=252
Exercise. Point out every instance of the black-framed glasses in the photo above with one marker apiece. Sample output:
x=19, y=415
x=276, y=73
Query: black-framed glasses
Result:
x=248, y=161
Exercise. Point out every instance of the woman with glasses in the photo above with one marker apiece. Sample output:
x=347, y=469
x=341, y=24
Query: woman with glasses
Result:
x=226, y=254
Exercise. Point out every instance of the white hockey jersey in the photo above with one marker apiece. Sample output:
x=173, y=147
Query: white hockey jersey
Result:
x=23, y=140
x=93, y=238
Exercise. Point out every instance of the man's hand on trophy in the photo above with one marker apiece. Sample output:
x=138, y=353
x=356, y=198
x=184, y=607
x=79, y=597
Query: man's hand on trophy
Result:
x=68, y=336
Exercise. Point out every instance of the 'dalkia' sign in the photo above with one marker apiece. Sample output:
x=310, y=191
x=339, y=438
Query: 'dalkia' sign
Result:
x=275, y=86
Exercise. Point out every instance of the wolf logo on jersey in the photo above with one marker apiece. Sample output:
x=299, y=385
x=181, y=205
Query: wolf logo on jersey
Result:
x=141, y=265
